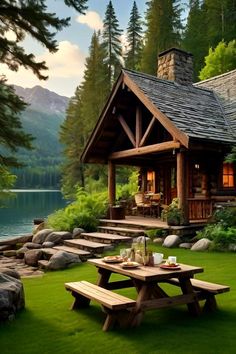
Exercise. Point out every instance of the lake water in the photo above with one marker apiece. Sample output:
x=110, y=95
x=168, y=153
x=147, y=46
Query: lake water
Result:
x=17, y=218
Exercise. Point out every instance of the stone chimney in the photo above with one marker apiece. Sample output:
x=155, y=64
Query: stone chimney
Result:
x=176, y=65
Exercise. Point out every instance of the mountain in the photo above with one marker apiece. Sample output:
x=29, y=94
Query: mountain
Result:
x=42, y=99
x=42, y=119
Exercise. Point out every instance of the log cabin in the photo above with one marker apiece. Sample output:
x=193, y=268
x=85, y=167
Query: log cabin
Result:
x=176, y=132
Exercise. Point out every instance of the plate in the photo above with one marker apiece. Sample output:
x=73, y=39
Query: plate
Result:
x=113, y=259
x=166, y=266
x=130, y=264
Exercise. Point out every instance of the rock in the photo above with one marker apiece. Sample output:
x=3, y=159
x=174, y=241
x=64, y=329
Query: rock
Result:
x=58, y=236
x=5, y=248
x=158, y=240
x=140, y=239
x=63, y=260
x=232, y=247
x=32, y=245
x=39, y=227
x=20, y=253
x=186, y=245
x=40, y=236
x=11, y=297
x=11, y=272
x=18, y=239
x=201, y=245
x=48, y=244
x=77, y=232
x=32, y=256
x=9, y=253
x=171, y=241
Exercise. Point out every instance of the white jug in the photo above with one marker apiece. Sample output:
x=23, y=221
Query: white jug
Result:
x=158, y=258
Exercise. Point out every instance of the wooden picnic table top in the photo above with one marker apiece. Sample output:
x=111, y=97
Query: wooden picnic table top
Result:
x=147, y=273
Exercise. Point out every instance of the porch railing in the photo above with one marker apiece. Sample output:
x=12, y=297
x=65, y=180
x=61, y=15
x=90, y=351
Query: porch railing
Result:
x=200, y=208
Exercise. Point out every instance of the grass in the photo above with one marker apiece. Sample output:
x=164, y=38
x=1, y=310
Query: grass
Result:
x=47, y=325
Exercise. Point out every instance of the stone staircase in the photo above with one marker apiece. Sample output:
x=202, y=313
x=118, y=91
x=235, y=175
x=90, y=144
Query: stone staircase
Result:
x=109, y=234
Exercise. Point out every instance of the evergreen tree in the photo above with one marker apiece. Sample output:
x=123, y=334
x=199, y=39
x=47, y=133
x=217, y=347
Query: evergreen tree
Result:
x=112, y=43
x=134, y=39
x=221, y=20
x=23, y=17
x=163, y=31
x=195, y=40
x=82, y=114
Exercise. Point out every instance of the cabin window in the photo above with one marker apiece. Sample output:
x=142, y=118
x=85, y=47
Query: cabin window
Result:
x=228, y=175
x=151, y=181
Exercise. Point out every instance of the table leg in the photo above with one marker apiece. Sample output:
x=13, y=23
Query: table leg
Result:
x=187, y=288
x=103, y=277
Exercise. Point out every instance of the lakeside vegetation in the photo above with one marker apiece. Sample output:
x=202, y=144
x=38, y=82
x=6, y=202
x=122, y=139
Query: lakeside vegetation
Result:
x=47, y=325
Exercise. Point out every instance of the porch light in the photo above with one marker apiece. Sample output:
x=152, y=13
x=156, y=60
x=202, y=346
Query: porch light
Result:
x=197, y=166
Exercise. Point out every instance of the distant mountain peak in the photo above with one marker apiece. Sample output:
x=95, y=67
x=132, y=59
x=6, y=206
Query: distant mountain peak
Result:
x=43, y=100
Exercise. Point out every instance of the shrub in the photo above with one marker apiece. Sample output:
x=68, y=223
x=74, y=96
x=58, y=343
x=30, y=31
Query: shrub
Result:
x=152, y=233
x=84, y=212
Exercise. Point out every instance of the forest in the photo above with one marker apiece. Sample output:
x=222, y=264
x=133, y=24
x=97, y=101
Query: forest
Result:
x=208, y=32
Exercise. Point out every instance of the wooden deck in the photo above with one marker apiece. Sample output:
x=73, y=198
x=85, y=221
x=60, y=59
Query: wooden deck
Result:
x=155, y=223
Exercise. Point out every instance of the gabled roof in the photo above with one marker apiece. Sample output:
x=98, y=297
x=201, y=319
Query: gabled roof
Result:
x=195, y=111
x=188, y=113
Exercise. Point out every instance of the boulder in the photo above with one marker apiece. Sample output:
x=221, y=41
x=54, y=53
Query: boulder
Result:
x=11, y=272
x=11, y=297
x=41, y=235
x=201, y=245
x=58, y=236
x=158, y=240
x=20, y=253
x=62, y=260
x=32, y=256
x=48, y=244
x=9, y=253
x=186, y=245
x=171, y=241
x=18, y=239
x=32, y=245
x=77, y=232
x=140, y=239
x=232, y=247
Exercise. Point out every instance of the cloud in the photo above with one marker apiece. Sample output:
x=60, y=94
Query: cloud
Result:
x=92, y=19
x=64, y=66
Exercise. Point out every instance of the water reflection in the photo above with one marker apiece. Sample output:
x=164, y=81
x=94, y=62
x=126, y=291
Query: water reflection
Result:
x=18, y=217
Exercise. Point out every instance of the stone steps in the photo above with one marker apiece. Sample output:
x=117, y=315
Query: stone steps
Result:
x=90, y=246
x=84, y=255
x=121, y=231
x=106, y=238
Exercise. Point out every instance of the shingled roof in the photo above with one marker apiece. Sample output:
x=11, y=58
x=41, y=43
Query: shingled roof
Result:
x=196, y=111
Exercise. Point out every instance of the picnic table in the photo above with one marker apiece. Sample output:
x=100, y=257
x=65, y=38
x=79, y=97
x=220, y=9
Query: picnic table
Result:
x=148, y=282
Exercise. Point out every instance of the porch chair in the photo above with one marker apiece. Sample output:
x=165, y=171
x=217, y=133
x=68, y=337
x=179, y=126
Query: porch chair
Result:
x=143, y=206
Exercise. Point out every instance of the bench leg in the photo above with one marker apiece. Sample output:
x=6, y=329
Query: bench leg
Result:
x=210, y=303
x=80, y=301
x=120, y=318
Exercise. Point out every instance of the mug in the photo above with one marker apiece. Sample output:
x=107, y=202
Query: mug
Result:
x=172, y=260
x=158, y=258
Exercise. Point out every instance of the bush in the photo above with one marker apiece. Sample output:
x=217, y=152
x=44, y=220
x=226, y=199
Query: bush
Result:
x=223, y=231
x=84, y=212
x=152, y=233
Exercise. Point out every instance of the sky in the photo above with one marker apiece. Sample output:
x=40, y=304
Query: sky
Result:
x=66, y=66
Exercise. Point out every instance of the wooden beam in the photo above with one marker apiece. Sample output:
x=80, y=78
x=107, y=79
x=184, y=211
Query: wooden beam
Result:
x=147, y=132
x=138, y=130
x=182, y=187
x=161, y=117
x=169, y=145
x=127, y=129
x=111, y=183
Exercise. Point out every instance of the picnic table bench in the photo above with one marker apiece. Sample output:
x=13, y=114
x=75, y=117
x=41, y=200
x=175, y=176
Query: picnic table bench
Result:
x=117, y=307
x=206, y=291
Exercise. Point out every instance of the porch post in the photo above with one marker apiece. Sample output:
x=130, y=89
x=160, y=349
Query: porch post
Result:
x=111, y=182
x=182, y=184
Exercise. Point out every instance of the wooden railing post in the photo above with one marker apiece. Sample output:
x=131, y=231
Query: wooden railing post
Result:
x=182, y=185
x=111, y=183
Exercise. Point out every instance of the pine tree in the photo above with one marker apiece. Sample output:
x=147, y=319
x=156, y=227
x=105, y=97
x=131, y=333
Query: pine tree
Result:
x=163, y=31
x=23, y=17
x=112, y=43
x=134, y=39
x=195, y=40
x=82, y=114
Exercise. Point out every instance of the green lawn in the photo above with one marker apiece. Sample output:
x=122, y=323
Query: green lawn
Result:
x=48, y=326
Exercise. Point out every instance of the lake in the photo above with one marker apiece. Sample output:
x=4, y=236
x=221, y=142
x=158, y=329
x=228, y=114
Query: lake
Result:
x=17, y=218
